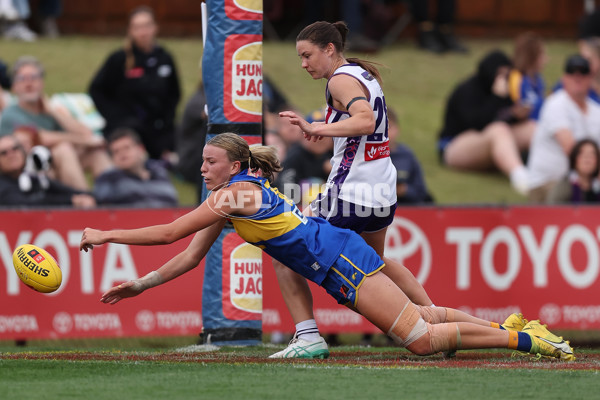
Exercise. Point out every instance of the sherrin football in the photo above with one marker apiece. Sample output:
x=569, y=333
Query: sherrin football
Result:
x=36, y=268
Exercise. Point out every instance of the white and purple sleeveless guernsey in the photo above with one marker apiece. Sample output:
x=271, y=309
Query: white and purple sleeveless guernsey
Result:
x=362, y=171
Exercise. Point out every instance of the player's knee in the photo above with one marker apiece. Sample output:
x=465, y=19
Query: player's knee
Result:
x=444, y=337
x=436, y=315
x=426, y=339
x=408, y=328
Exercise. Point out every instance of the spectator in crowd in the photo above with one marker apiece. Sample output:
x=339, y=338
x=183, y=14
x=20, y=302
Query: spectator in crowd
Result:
x=306, y=166
x=410, y=182
x=280, y=134
x=134, y=180
x=20, y=186
x=191, y=135
x=74, y=146
x=581, y=185
x=527, y=87
x=436, y=36
x=568, y=115
x=481, y=126
x=138, y=87
x=590, y=50
x=13, y=14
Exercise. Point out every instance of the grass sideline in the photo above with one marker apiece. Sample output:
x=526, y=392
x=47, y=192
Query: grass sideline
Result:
x=247, y=373
x=416, y=84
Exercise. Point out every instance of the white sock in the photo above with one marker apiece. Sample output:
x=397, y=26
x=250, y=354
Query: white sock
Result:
x=519, y=178
x=307, y=330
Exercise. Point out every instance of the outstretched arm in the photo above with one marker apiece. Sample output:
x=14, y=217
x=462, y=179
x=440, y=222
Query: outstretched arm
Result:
x=178, y=265
x=194, y=221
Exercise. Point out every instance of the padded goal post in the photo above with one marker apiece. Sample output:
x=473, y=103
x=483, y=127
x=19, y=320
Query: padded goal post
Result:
x=232, y=77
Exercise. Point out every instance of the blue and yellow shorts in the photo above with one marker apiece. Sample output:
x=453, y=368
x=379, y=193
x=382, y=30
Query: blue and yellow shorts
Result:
x=357, y=261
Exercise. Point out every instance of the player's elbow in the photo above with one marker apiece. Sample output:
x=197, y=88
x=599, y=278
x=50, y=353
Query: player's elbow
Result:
x=366, y=124
x=166, y=235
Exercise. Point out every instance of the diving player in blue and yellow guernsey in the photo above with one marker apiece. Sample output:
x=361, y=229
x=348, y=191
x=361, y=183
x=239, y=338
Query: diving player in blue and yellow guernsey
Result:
x=338, y=260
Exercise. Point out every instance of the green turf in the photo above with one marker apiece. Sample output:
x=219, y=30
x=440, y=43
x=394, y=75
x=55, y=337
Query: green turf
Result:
x=416, y=84
x=54, y=379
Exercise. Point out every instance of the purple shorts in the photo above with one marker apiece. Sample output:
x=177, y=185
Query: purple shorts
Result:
x=352, y=216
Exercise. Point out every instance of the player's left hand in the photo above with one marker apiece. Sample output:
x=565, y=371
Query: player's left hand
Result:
x=124, y=290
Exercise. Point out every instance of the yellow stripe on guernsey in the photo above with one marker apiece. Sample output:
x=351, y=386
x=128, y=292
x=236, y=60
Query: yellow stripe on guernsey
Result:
x=257, y=230
x=253, y=231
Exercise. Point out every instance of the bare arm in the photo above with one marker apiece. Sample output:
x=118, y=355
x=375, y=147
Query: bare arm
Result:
x=565, y=139
x=343, y=89
x=183, y=226
x=217, y=207
x=66, y=120
x=177, y=266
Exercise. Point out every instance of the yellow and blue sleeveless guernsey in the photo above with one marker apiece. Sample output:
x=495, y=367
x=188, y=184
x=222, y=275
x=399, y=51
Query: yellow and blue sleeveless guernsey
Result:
x=310, y=246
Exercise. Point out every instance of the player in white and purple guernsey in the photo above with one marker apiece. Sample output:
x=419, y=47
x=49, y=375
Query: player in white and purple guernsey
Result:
x=361, y=189
x=362, y=173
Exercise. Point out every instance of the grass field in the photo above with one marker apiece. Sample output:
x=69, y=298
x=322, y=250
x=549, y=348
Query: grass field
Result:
x=202, y=372
x=416, y=84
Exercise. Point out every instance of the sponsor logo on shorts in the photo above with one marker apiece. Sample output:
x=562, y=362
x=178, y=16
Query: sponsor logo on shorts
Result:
x=344, y=290
x=315, y=266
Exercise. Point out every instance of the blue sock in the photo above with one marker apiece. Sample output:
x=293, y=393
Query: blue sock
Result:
x=524, y=342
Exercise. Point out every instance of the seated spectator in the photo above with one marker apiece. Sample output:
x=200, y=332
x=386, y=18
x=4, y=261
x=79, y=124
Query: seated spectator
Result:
x=134, y=180
x=73, y=145
x=190, y=137
x=581, y=185
x=22, y=187
x=527, y=87
x=138, y=88
x=481, y=129
x=568, y=115
x=410, y=183
x=306, y=166
x=589, y=48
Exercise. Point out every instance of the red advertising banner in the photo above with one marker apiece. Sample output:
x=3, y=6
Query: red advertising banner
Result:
x=544, y=262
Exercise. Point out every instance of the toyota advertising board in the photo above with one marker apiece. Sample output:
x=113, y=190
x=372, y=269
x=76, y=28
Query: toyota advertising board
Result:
x=489, y=262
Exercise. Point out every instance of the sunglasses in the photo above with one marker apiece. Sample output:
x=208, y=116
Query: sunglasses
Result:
x=5, y=152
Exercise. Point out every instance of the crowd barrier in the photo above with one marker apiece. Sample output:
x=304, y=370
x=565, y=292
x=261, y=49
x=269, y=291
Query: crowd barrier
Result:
x=488, y=261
